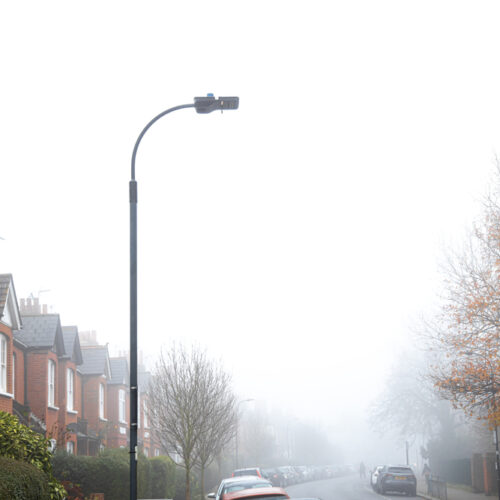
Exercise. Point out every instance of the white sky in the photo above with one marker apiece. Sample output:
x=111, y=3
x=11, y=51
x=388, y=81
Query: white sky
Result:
x=295, y=238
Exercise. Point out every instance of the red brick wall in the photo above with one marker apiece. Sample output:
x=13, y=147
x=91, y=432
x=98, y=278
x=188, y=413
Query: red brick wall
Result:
x=38, y=389
x=67, y=417
x=116, y=438
x=91, y=403
x=6, y=401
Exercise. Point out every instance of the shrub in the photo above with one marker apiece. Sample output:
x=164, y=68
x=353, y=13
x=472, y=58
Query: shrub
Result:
x=19, y=442
x=22, y=481
x=162, y=477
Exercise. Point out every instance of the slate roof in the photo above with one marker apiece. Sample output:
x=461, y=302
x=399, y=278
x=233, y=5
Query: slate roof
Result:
x=95, y=361
x=42, y=331
x=119, y=371
x=72, y=344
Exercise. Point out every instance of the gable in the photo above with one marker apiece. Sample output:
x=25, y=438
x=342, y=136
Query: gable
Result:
x=9, y=310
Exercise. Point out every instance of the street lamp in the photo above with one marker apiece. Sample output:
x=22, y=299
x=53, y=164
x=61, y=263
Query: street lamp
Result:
x=202, y=105
x=237, y=424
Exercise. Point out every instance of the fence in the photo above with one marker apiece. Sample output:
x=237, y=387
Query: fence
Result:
x=437, y=488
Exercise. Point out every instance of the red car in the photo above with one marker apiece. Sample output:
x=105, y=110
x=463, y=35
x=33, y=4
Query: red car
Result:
x=269, y=493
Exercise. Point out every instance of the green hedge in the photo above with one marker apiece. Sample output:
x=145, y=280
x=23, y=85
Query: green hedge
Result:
x=22, y=481
x=19, y=442
x=108, y=473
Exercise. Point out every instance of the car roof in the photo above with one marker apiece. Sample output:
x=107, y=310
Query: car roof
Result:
x=249, y=477
x=254, y=492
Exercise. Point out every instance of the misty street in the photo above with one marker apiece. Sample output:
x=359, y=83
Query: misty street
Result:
x=339, y=488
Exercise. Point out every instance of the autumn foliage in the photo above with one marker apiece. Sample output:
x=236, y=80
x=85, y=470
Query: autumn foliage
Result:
x=467, y=330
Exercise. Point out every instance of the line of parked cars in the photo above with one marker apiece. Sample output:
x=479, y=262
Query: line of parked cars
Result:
x=394, y=478
x=287, y=475
x=258, y=484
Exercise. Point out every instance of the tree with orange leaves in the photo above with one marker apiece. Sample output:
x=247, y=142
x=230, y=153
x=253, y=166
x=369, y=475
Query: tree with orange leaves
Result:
x=467, y=330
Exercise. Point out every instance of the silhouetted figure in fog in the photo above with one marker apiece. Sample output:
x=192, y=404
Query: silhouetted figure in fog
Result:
x=362, y=470
x=426, y=471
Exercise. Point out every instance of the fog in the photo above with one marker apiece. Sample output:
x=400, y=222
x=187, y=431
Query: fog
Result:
x=298, y=238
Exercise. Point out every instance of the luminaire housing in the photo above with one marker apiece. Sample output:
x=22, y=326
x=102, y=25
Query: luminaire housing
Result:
x=210, y=103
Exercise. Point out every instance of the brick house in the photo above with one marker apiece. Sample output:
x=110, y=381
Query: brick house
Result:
x=96, y=373
x=118, y=403
x=10, y=320
x=43, y=345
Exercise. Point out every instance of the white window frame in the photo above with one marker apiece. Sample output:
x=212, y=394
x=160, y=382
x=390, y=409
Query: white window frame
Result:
x=70, y=390
x=4, y=343
x=101, y=401
x=51, y=383
x=145, y=414
x=70, y=447
x=14, y=374
x=121, y=405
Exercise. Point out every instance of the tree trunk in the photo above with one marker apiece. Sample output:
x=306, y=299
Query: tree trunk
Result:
x=188, y=483
x=202, y=482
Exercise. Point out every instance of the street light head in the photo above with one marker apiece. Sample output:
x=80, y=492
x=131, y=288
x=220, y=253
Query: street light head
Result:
x=210, y=103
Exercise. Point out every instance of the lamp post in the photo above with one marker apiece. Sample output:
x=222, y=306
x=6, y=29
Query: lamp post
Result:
x=202, y=105
x=237, y=424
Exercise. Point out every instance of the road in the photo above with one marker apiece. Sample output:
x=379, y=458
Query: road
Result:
x=340, y=488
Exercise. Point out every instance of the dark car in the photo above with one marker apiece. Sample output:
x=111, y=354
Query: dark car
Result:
x=396, y=478
x=275, y=476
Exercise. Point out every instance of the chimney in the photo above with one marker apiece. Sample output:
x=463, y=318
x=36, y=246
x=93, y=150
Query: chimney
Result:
x=44, y=309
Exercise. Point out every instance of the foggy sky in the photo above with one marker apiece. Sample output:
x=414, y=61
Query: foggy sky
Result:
x=296, y=238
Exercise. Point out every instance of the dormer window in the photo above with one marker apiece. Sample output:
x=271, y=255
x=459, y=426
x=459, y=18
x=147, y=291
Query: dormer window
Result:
x=51, y=382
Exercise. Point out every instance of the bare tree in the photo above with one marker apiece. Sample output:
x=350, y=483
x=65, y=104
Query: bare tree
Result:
x=219, y=425
x=190, y=401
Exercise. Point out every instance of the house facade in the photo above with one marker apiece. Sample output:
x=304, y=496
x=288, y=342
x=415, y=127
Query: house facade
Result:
x=62, y=383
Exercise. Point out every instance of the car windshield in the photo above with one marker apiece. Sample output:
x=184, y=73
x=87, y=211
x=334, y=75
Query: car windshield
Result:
x=244, y=486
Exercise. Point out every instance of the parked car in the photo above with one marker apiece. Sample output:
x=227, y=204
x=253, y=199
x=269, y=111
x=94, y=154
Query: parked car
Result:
x=374, y=476
x=239, y=483
x=270, y=493
x=249, y=471
x=397, y=478
x=275, y=476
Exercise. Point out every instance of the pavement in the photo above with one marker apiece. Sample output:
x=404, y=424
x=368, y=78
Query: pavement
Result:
x=457, y=494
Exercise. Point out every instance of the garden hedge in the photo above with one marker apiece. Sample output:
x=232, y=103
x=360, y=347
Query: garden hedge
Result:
x=22, y=481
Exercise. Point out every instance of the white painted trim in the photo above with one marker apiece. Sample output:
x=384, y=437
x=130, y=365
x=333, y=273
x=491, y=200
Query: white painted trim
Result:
x=7, y=394
x=53, y=407
x=73, y=412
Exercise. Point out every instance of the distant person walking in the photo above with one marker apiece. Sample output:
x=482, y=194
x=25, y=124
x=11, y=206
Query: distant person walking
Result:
x=426, y=472
x=362, y=470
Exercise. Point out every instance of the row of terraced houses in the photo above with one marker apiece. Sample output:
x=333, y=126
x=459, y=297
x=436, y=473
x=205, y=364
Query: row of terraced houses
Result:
x=61, y=383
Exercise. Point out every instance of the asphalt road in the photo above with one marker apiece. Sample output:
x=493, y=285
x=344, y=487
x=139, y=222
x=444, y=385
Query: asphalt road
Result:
x=340, y=488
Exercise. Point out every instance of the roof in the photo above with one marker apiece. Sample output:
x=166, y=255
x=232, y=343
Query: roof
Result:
x=119, y=371
x=72, y=344
x=95, y=361
x=41, y=331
